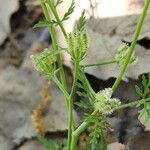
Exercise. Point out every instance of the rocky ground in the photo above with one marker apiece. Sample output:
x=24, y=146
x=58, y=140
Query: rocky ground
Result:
x=22, y=88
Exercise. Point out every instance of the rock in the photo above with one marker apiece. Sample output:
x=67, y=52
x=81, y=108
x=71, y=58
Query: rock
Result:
x=106, y=36
x=7, y=8
x=116, y=146
x=19, y=95
x=15, y=121
x=145, y=119
x=20, y=86
x=140, y=142
x=32, y=145
x=5, y=143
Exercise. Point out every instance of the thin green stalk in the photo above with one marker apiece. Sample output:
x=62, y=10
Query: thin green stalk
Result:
x=131, y=48
x=55, y=47
x=84, y=125
x=53, y=9
x=131, y=104
x=71, y=118
x=60, y=86
x=77, y=132
x=100, y=63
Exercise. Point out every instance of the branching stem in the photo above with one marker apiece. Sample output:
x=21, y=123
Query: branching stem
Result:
x=55, y=47
x=84, y=125
x=131, y=48
x=77, y=133
x=73, y=135
x=53, y=9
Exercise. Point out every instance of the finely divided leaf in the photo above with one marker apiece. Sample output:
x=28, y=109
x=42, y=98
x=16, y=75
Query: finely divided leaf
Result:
x=58, y=2
x=84, y=105
x=81, y=22
x=144, y=117
x=48, y=145
x=138, y=91
x=45, y=23
x=70, y=11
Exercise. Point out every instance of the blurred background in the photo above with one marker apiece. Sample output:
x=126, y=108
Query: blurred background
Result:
x=31, y=104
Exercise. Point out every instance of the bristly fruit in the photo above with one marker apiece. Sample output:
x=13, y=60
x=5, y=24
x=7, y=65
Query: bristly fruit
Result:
x=44, y=62
x=121, y=55
x=77, y=45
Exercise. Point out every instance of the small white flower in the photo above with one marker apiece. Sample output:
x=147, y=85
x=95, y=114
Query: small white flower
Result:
x=104, y=103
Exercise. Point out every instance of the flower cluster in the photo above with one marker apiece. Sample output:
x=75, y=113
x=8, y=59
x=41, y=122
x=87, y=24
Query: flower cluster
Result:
x=44, y=62
x=77, y=45
x=104, y=103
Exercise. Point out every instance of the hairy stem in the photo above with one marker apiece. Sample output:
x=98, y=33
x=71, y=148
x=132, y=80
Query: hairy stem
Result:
x=131, y=48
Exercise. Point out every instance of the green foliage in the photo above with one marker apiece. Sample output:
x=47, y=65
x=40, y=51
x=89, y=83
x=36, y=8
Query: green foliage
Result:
x=122, y=53
x=84, y=105
x=69, y=12
x=143, y=91
x=81, y=22
x=52, y=144
x=144, y=114
x=48, y=145
x=58, y=2
x=98, y=125
x=84, y=89
x=77, y=45
x=45, y=23
x=44, y=62
x=104, y=103
x=84, y=85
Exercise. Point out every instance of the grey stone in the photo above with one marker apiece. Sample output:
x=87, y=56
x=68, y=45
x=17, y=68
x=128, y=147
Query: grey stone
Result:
x=20, y=94
x=5, y=143
x=7, y=8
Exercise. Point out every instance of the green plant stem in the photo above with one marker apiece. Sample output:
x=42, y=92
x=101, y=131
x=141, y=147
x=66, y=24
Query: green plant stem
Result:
x=77, y=132
x=55, y=47
x=84, y=125
x=71, y=118
x=131, y=48
x=100, y=63
x=53, y=9
x=131, y=104
x=60, y=86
